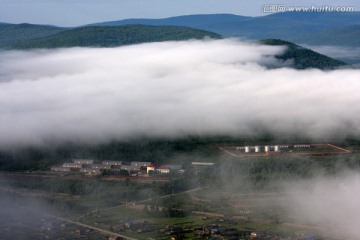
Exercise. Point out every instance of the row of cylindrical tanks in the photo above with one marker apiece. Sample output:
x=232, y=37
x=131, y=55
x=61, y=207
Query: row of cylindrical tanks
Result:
x=258, y=149
x=268, y=148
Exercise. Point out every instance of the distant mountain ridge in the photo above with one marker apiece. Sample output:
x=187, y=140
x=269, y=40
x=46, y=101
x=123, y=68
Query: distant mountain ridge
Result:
x=12, y=33
x=195, y=21
x=349, y=34
x=311, y=28
x=298, y=27
x=112, y=34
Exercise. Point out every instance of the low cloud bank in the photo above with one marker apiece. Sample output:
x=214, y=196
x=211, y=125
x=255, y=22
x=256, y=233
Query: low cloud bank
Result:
x=169, y=89
x=329, y=204
x=348, y=54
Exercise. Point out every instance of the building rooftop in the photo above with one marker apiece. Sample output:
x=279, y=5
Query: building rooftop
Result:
x=83, y=160
x=202, y=164
x=173, y=167
x=141, y=163
x=89, y=169
x=112, y=161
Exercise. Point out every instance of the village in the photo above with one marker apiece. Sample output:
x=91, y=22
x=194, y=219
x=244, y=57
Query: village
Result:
x=113, y=167
x=147, y=220
x=166, y=199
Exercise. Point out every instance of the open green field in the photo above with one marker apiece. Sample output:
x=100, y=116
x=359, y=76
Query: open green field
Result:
x=116, y=219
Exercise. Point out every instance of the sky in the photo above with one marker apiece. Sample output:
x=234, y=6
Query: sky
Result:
x=80, y=12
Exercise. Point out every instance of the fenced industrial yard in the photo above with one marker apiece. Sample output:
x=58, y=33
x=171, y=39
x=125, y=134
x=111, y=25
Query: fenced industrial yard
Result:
x=285, y=149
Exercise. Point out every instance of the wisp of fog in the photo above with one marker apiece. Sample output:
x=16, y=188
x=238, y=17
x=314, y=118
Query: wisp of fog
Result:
x=170, y=89
x=348, y=54
x=329, y=204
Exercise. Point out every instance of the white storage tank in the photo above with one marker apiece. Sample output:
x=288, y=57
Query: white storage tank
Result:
x=276, y=148
x=267, y=148
x=257, y=149
x=247, y=149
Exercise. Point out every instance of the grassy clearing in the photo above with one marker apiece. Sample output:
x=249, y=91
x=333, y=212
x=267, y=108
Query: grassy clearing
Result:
x=109, y=220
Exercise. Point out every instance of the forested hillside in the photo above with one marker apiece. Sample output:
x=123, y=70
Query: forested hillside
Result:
x=302, y=57
x=96, y=36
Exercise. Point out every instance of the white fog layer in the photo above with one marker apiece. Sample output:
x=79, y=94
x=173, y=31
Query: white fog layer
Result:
x=169, y=89
x=329, y=204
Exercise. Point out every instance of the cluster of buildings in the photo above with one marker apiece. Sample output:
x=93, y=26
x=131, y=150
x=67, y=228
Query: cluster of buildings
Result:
x=91, y=167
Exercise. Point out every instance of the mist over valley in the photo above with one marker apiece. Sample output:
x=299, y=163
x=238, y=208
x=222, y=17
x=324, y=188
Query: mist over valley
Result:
x=170, y=132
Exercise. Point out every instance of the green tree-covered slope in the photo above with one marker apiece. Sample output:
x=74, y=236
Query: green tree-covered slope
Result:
x=101, y=36
x=302, y=57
